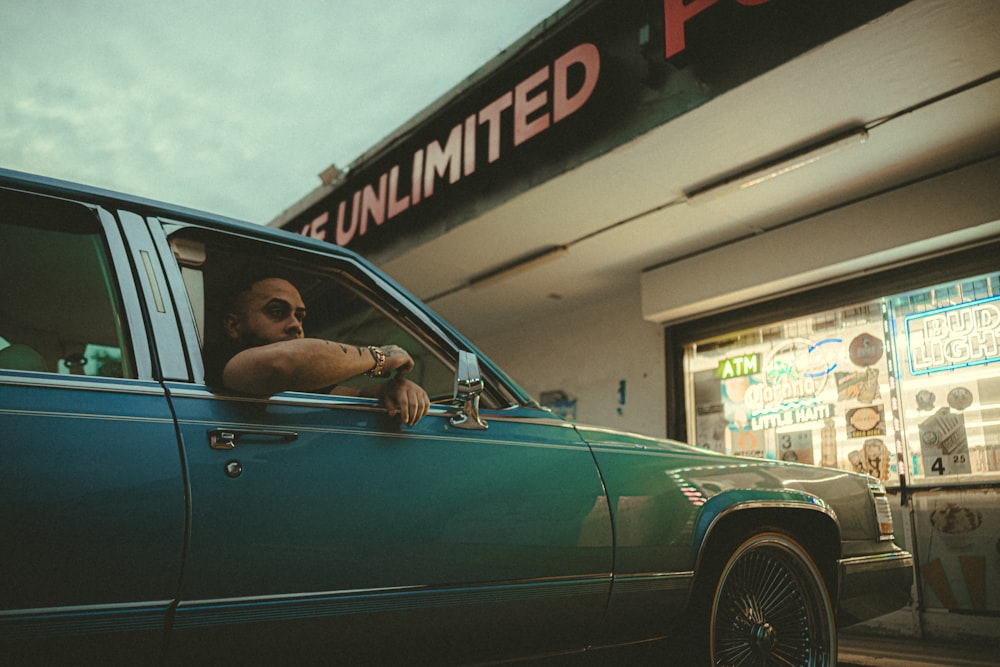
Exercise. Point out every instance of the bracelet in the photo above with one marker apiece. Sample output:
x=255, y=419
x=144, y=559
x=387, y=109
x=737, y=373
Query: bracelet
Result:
x=378, y=370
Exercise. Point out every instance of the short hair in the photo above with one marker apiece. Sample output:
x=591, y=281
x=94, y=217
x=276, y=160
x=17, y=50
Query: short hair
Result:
x=246, y=283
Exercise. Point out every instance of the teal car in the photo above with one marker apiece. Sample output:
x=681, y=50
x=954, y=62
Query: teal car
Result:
x=149, y=517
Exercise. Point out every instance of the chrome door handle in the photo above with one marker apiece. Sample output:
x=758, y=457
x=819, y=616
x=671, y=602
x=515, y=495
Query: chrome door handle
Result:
x=225, y=438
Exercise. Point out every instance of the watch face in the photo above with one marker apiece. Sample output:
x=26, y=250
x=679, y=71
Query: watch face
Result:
x=866, y=350
x=959, y=398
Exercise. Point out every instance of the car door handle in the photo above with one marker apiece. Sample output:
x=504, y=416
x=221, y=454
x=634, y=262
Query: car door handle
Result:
x=225, y=438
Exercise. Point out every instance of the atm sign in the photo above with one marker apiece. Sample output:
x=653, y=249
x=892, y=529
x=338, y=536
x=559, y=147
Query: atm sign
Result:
x=746, y=364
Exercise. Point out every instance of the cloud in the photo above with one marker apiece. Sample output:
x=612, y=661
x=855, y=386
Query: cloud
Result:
x=229, y=106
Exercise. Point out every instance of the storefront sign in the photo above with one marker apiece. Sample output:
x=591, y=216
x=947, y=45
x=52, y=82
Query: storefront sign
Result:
x=791, y=416
x=759, y=395
x=676, y=14
x=535, y=104
x=601, y=75
x=746, y=364
x=966, y=334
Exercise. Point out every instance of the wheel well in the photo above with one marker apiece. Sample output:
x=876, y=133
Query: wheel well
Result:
x=815, y=531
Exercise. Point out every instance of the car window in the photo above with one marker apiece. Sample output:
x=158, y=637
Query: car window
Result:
x=60, y=311
x=342, y=304
x=339, y=309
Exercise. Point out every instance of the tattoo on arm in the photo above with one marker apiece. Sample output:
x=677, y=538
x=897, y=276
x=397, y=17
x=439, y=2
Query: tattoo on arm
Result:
x=347, y=348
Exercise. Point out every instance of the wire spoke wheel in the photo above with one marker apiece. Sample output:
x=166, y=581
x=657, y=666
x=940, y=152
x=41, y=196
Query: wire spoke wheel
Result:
x=771, y=608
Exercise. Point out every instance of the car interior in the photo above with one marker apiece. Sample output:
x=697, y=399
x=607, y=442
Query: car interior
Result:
x=59, y=308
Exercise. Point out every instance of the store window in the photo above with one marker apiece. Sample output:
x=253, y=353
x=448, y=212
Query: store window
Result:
x=905, y=384
x=947, y=342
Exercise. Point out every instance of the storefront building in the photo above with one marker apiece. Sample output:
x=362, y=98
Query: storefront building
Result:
x=767, y=229
x=894, y=377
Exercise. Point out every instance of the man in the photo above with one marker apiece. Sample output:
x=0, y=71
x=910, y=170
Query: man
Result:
x=267, y=352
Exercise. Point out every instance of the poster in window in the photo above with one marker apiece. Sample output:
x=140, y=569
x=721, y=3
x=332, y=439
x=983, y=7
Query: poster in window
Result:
x=796, y=446
x=866, y=422
x=944, y=444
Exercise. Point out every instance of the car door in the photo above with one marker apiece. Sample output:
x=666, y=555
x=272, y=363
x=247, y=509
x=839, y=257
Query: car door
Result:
x=321, y=527
x=92, y=501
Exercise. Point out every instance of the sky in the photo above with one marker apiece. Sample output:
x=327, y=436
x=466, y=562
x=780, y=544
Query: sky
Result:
x=230, y=106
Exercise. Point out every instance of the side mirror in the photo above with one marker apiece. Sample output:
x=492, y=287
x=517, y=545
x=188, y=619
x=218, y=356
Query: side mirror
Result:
x=468, y=387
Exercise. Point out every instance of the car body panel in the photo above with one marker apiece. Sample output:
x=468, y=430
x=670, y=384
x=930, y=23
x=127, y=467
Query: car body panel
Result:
x=92, y=509
x=389, y=523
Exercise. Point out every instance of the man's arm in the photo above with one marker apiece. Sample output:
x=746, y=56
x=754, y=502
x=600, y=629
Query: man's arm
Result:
x=305, y=364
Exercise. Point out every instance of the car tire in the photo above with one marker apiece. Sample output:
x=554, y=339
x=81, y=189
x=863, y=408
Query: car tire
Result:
x=770, y=606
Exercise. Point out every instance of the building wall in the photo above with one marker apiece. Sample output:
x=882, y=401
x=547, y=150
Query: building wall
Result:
x=588, y=353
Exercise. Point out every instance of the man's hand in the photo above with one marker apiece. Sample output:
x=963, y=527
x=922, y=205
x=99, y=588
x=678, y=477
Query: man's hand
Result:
x=404, y=398
x=396, y=359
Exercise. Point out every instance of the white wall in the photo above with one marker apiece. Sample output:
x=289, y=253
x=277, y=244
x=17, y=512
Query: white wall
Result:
x=586, y=351
x=586, y=348
x=920, y=220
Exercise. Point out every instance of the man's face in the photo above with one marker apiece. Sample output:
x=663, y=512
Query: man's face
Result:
x=270, y=311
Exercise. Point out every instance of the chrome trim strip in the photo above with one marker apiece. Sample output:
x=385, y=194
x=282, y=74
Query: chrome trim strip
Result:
x=875, y=562
x=542, y=421
x=80, y=382
x=302, y=399
x=202, y=613
x=647, y=583
x=454, y=436
x=819, y=506
x=21, y=624
x=80, y=415
x=632, y=449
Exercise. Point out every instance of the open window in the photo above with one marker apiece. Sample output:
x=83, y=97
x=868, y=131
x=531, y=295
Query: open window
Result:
x=60, y=310
x=343, y=303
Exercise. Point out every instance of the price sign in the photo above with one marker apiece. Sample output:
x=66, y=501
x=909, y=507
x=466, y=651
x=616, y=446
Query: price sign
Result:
x=943, y=444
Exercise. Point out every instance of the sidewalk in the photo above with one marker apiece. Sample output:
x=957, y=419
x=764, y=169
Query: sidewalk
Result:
x=867, y=651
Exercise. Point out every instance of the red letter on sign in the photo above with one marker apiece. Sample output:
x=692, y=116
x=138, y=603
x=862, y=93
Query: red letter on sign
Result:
x=524, y=106
x=316, y=227
x=344, y=236
x=490, y=116
x=440, y=159
x=372, y=204
x=396, y=206
x=586, y=55
x=675, y=14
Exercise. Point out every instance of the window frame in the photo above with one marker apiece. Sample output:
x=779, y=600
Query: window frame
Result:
x=370, y=285
x=944, y=266
x=129, y=320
